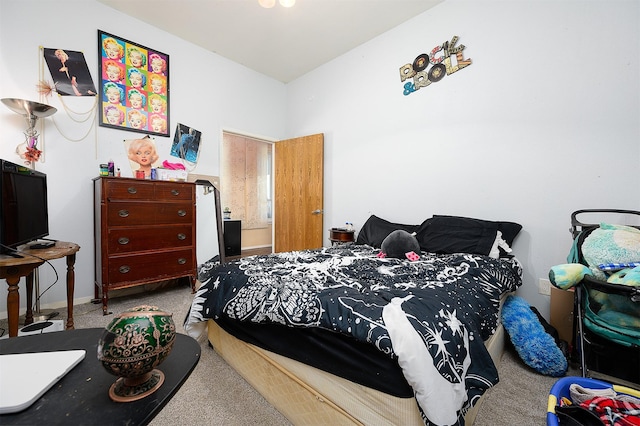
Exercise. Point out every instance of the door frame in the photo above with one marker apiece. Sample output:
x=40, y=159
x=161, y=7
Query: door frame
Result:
x=261, y=138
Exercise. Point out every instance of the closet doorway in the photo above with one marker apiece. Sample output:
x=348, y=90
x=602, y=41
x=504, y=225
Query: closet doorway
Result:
x=246, y=189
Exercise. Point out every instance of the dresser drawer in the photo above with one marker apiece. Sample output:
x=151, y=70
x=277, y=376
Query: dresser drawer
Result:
x=174, y=191
x=130, y=214
x=129, y=189
x=136, y=189
x=174, y=213
x=125, y=240
x=152, y=266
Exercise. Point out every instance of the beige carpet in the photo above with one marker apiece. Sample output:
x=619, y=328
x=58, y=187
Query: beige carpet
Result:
x=214, y=394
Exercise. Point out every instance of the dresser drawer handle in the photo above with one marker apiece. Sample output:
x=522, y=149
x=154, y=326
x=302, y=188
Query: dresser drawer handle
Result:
x=123, y=213
x=182, y=236
x=175, y=192
x=123, y=241
x=132, y=190
x=182, y=213
x=124, y=269
x=182, y=261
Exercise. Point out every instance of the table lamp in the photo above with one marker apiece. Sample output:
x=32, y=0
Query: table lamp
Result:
x=31, y=111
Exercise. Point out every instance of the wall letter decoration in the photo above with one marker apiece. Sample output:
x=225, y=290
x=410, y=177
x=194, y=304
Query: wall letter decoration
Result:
x=429, y=68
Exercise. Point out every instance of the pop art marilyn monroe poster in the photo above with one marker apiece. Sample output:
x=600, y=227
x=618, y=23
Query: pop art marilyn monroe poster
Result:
x=134, y=86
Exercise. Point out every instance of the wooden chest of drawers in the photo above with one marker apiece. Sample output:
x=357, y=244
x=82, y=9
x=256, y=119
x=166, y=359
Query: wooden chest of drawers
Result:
x=145, y=231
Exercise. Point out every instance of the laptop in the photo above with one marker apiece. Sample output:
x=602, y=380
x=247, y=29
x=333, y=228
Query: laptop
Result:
x=26, y=377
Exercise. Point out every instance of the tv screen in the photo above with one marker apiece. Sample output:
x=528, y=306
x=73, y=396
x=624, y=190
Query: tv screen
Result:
x=24, y=210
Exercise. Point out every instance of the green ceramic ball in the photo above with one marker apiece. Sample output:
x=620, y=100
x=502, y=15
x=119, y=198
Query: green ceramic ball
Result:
x=132, y=346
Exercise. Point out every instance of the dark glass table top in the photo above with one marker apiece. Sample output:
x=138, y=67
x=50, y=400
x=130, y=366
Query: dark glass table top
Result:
x=81, y=397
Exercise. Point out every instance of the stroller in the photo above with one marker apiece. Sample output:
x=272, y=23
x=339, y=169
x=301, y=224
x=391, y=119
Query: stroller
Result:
x=607, y=350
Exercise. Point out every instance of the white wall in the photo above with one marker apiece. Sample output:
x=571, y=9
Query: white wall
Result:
x=545, y=121
x=207, y=92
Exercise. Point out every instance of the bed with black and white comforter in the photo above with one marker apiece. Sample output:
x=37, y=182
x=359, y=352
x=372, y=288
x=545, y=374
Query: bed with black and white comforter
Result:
x=433, y=314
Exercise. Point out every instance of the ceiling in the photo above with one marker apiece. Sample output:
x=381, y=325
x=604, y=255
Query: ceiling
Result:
x=283, y=43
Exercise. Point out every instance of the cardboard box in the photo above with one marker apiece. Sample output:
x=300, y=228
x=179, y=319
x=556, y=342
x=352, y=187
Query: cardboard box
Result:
x=562, y=313
x=172, y=175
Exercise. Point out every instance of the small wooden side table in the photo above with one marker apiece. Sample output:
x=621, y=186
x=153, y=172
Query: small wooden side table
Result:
x=14, y=268
x=339, y=236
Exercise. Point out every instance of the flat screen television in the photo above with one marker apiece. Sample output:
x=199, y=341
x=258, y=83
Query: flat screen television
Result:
x=24, y=214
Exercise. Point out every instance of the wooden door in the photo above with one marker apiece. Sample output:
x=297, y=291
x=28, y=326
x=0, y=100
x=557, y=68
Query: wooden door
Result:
x=298, y=204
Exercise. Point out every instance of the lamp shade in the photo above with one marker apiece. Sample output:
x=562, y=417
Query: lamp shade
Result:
x=29, y=108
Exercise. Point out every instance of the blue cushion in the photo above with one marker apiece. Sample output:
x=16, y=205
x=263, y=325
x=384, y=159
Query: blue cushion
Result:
x=535, y=346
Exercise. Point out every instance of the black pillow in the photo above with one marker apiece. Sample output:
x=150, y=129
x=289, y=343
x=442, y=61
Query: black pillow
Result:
x=454, y=234
x=375, y=230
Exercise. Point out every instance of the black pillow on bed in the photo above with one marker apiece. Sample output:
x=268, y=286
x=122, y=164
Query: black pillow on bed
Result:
x=455, y=234
x=375, y=230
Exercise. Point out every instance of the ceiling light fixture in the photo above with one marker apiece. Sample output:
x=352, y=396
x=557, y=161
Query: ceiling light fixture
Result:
x=268, y=4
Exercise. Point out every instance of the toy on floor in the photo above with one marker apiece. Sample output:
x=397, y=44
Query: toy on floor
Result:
x=536, y=347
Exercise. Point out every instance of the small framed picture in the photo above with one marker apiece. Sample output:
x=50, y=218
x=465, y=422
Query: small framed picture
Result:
x=134, y=86
x=186, y=143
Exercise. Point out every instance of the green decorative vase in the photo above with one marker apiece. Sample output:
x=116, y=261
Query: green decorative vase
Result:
x=132, y=346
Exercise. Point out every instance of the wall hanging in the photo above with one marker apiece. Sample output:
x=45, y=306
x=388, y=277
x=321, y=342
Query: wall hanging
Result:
x=134, y=86
x=70, y=79
x=432, y=67
x=69, y=72
x=143, y=156
x=186, y=143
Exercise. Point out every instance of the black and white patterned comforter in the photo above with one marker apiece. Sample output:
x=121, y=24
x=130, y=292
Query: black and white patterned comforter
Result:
x=433, y=314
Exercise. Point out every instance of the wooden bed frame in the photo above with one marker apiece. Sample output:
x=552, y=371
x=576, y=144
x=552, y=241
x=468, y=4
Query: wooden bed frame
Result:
x=308, y=396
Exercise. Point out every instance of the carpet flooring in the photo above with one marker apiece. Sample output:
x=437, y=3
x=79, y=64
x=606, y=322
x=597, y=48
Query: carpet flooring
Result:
x=215, y=394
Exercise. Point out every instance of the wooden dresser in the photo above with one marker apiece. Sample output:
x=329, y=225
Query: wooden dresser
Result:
x=145, y=231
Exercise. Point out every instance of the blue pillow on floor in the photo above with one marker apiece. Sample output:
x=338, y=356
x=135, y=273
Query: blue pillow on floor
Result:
x=535, y=346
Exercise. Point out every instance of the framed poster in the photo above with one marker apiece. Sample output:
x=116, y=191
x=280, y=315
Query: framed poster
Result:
x=134, y=86
x=69, y=72
x=186, y=143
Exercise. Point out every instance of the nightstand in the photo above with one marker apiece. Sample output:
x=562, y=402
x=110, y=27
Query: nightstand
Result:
x=339, y=236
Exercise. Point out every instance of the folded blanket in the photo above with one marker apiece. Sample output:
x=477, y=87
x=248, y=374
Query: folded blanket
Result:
x=611, y=243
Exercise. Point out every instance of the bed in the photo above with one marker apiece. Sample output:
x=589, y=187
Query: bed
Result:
x=339, y=335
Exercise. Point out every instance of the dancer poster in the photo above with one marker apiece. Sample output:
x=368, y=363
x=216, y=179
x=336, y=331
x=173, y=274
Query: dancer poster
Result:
x=186, y=143
x=70, y=73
